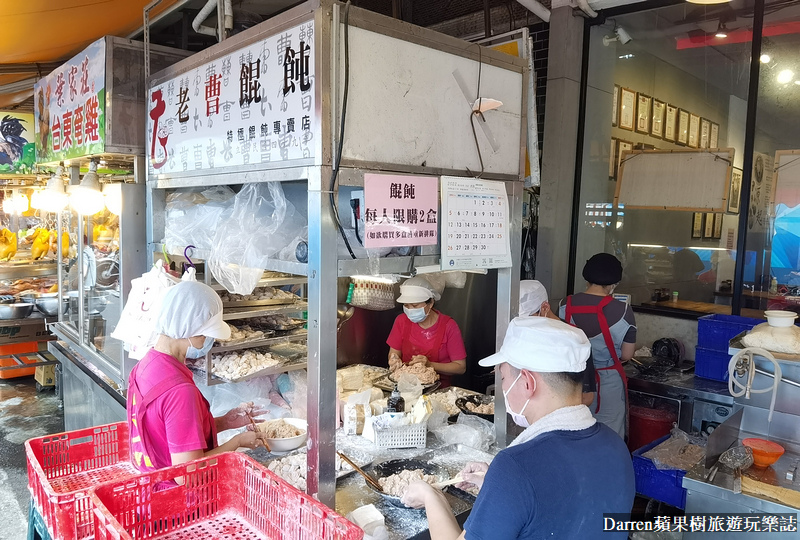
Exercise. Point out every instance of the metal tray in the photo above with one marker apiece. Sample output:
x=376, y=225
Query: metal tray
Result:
x=394, y=466
x=259, y=303
x=386, y=383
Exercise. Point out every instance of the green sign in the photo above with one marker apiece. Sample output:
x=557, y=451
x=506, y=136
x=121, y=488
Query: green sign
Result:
x=69, y=107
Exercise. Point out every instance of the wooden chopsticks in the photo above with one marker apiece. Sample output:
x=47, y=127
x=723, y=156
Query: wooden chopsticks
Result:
x=370, y=480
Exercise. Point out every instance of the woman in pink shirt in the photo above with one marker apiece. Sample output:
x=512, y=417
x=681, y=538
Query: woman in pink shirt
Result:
x=170, y=420
x=423, y=335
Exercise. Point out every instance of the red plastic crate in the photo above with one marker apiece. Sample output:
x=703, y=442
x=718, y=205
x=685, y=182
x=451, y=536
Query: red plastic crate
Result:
x=227, y=496
x=62, y=468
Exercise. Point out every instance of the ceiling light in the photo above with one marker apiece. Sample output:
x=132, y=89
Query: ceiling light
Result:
x=626, y=56
x=53, y=198
x=765, y=58
x=708, y=2
x=785, y=76
x=722, y=32
x=86, y=198
x=113, y=197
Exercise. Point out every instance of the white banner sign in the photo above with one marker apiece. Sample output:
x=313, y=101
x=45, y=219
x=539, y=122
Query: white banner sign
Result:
x=255, y=105
x=474, y=224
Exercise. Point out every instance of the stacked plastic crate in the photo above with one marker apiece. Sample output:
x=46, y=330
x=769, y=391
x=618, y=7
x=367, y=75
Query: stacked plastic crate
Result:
x=713, y=334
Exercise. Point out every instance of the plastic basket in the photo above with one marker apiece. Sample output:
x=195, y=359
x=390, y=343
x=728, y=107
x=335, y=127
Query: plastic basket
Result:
x=410, y=436
x=63, y=467
x=226, y=496
x=661, y=485
x=710, y=364
x=715, y=331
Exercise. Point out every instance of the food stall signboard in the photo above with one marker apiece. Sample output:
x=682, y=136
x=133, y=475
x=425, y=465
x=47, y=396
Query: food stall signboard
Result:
x=70, y=105
x=400, y=210
x=475, y=231
x=255, y=105
x=16, y=143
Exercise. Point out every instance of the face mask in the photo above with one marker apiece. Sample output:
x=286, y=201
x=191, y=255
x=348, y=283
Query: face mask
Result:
x=194, y=352
x=518, y=418
x=415, y=315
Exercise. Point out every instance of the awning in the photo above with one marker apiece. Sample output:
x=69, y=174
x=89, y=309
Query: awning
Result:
x=39, y=31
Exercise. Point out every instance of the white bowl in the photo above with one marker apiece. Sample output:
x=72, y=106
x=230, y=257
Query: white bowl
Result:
x=289, y=443
x=780, y=319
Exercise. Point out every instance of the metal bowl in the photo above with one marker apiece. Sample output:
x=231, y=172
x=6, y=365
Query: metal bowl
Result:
x=479, y=399
x=15, y=311
x=394, y=466
x=48, y=305
x=97, y=301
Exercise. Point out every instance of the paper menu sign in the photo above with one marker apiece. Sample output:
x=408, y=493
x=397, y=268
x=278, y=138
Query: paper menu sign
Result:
x=475, y=224
x=400, y=210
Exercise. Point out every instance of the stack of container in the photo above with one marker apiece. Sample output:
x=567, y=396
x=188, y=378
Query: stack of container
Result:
x=713, y=334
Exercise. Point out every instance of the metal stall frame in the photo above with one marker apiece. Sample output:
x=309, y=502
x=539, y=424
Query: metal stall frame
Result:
x=324, y=266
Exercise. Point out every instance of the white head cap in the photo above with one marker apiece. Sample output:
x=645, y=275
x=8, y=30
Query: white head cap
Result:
x=543, y=345
x=531, y=296
x=192, y=309
x=417, y=289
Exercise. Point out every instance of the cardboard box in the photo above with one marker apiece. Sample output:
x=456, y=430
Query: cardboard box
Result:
x=46, y=375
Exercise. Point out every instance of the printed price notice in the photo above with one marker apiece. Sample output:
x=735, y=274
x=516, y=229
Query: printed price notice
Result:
x=474, y=224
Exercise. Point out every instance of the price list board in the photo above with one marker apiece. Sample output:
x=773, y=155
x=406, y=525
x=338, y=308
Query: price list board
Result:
x=475, y=231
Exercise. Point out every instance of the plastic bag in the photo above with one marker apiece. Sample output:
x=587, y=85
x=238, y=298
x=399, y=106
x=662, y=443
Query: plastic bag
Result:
x=293, y=387
x=136, y=326
x=468, y=430
x=261, y=224
x=192, y=217
x=455, y=279
x=681, y=451
x=410, y=388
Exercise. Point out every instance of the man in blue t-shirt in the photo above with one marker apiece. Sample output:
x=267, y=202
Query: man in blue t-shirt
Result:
x=558, y=478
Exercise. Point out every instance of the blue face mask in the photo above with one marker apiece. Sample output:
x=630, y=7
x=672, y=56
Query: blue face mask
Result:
x=415, y=315
x=194, y=352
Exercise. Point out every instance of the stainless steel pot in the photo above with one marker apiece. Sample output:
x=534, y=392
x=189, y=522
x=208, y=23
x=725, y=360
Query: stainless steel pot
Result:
x=15, y=311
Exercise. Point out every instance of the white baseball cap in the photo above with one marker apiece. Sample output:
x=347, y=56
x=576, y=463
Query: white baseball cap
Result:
x=532, y=295
x=192, y=309
x=543, y=345
x=417, y=289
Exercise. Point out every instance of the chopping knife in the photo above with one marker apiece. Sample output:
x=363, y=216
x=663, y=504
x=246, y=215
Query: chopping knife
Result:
x=725, y=436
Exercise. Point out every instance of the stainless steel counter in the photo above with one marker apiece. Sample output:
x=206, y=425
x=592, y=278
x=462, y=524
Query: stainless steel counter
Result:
x=402, y=523
x=679, y=385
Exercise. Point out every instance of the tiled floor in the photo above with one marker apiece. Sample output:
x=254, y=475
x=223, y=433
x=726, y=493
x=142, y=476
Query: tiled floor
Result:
x=24, y=413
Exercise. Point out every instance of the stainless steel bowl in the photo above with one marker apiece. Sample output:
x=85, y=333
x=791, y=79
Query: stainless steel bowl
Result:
x=48, y=305
x=15, y=311
x=98, y=302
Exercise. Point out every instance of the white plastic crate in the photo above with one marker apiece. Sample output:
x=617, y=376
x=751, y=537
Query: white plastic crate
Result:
x=410, y=436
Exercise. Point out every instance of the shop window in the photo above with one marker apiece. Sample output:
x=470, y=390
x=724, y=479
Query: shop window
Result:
x=672, y=78
x=772, y=273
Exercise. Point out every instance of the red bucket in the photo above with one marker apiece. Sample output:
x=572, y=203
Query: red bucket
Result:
x=647, y=425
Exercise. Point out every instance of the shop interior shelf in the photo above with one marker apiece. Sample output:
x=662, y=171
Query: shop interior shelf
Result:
x=266, y=282
x=285, y=367
x=231, y=314
x=387, y=265
x=300, y=336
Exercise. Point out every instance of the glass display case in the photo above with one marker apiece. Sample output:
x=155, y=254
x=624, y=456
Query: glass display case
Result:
x=106, y=251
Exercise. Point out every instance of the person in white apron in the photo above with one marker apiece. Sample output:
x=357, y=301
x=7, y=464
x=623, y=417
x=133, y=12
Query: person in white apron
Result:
x=611, y=328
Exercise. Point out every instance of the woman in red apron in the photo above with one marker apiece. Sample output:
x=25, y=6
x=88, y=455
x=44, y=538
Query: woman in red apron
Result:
x=170, y=420
x=422, y=335
x=611, y=328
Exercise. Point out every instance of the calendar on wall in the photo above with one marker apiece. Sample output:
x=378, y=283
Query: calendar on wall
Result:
x=474, y=222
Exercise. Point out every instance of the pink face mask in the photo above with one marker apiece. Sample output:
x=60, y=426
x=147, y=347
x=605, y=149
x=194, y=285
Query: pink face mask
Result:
x=518, y=418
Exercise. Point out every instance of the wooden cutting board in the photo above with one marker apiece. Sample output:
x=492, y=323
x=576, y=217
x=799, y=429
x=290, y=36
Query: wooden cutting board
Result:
x=789, y=497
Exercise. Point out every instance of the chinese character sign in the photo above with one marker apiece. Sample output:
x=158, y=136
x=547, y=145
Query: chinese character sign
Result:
x=474, y=224
x=254, y=105
x=69, y=107
x=16, y=143
x=400, y=210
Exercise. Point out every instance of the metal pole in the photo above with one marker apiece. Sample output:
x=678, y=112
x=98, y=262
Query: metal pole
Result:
x=146, y=29
x=322, y=291
x=749, y=145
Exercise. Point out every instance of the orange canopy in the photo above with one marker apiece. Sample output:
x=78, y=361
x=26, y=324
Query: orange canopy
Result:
x=52, y=30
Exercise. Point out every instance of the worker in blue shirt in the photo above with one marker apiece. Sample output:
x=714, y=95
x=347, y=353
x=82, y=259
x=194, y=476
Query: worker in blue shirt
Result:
x=563, y=472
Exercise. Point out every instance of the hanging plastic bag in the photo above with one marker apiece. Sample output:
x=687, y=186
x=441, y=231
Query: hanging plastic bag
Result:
x=192, y=217
x=261, y=224
x=137, y=323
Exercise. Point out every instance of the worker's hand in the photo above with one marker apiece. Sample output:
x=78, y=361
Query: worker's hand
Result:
x=252, y=440
x=240, y=416
x=417, y=494
x=473, y=474
x=419, y=359
x=395, y=362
